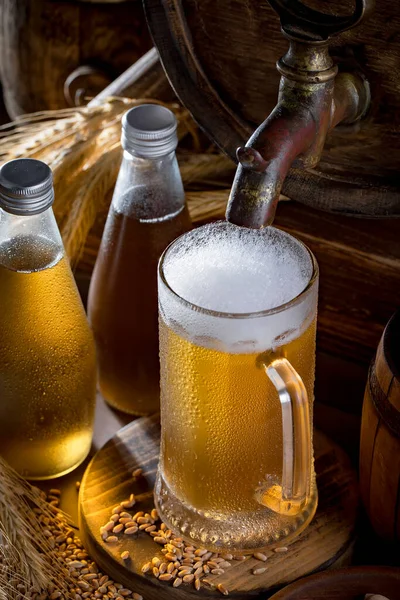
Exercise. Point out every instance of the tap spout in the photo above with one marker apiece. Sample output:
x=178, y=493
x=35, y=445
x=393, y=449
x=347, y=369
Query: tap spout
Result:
x=260, y=175
x=312, y=99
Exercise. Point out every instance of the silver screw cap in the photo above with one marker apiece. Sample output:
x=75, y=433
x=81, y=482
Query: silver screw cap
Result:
x=26, y=186
x=149, y=131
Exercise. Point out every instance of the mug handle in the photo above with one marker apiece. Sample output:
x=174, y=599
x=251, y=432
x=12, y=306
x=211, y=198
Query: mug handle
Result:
x=293, y=493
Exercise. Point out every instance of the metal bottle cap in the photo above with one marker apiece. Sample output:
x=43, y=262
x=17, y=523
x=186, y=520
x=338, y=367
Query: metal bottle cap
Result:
x=149, y=131
x=26, y=186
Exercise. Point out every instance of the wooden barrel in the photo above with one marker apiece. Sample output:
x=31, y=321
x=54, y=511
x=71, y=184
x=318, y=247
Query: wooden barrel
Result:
x=49, y=45
x=380, y=436
x=220, y=58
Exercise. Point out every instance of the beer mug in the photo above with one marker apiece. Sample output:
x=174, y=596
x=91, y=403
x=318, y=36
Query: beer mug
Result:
x=237, y=313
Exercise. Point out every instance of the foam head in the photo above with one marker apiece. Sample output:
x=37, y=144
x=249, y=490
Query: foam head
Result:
x=236, y=272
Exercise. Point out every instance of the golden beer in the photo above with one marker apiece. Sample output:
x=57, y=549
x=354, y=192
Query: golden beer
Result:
x=218, y=419
x=237, y=351
x=47, y=361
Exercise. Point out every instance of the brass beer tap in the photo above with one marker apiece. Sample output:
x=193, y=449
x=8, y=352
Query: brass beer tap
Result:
x=314, y=96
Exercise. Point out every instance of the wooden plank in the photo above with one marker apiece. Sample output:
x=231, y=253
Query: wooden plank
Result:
x=369, y=430
x=326, y=542
x=346, y=584
x=385, y=484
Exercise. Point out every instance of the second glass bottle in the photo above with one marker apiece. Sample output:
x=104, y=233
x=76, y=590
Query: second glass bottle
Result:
x=148, y=211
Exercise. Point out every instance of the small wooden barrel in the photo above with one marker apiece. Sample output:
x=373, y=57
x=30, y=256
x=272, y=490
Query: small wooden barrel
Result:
x=380, y=436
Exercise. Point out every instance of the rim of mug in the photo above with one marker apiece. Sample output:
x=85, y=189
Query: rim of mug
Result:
x=249, y=315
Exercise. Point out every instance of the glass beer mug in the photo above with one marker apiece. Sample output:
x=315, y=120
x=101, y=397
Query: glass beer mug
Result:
x=237, y=348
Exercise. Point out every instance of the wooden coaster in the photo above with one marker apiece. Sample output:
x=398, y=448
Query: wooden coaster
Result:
x=328, y=540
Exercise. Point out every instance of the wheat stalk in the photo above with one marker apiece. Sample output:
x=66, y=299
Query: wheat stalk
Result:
x=82, y=147
x=26, y=557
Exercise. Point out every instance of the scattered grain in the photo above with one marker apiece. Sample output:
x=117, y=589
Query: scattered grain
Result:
x=217, y=571
x=118, y=528
x=260, y=556
x=159, y=540
x=259, y=570
x=222, y=589
x=146, y=567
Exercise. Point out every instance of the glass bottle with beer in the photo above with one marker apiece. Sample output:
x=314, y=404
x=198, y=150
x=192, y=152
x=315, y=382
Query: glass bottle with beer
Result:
x=147, y=212
x=237, y=347
x=47, y=351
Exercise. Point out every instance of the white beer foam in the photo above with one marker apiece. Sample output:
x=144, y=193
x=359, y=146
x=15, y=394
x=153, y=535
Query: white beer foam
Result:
x=229, y=269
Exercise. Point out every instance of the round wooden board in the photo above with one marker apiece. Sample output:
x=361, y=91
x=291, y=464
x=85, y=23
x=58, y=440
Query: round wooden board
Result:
x=108, y=480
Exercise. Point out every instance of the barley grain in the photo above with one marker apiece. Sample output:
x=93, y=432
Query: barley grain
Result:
x=259, y=571
x=222, y=589
x=125, y=515
x=281, y=549
x=159, y=540
x=146, y=567
x=128, y=521
x=260, y=556
x=130, y=530
x=137, y=473
x=206, y=556
x=227, y=556
x=125, y=555
x=177, y=582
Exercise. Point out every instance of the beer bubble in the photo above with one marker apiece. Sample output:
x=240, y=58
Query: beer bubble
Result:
x=221, y=277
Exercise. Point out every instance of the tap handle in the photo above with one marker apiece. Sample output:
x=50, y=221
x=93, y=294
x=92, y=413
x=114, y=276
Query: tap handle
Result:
x=311, y=25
